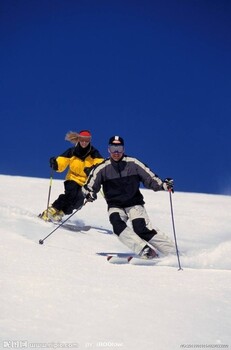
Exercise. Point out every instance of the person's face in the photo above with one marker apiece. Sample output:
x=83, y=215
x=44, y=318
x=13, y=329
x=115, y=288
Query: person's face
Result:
x=116, y=152
x=84, y=141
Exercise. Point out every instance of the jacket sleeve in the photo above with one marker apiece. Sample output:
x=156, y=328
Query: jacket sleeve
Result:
x=94, y=180
x=149, y=178
x=64, y=160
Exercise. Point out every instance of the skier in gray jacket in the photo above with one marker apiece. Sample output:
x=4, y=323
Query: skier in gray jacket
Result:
x=120, y=177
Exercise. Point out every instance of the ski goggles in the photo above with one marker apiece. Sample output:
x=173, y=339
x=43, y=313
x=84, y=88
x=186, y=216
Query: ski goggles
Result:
x=84, y=138
x=116, y=149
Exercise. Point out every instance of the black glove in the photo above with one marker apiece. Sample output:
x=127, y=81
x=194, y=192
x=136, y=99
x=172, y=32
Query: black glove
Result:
x=53, y=163
x=91, y=196
x=168, y=184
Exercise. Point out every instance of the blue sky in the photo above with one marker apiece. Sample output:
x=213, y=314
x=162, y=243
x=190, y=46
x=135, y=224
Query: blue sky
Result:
x=158, y=73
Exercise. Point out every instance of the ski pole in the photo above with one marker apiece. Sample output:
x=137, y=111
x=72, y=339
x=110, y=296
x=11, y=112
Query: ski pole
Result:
x=49, y=192
x=41, y=241
x=174, y=231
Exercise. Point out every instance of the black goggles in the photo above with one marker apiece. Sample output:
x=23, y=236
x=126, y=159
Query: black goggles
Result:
x=116, y=148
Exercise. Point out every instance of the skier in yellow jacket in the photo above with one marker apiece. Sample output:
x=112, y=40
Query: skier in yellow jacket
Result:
x=80, y=159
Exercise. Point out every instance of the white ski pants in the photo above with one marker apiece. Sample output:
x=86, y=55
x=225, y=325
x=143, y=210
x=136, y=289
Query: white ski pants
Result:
x=141, y=232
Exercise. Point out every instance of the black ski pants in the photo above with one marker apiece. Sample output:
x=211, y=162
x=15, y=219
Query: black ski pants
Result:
x=71, y=199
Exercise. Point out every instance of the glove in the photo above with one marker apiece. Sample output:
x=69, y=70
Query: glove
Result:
x=168, y=184
x=53, y=163
x=91, y=196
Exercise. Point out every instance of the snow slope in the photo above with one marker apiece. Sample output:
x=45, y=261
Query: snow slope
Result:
x=64, y=295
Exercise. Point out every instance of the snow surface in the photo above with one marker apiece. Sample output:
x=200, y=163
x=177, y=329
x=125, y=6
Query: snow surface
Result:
x=64, y=295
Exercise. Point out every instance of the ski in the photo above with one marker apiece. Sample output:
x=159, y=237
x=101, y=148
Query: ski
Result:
x=131, y=259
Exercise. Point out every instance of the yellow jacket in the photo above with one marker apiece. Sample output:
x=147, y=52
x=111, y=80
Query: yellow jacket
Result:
x=80, y=162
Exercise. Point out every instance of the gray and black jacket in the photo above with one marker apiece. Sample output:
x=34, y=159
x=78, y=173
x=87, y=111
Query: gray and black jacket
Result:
x=121, y=181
